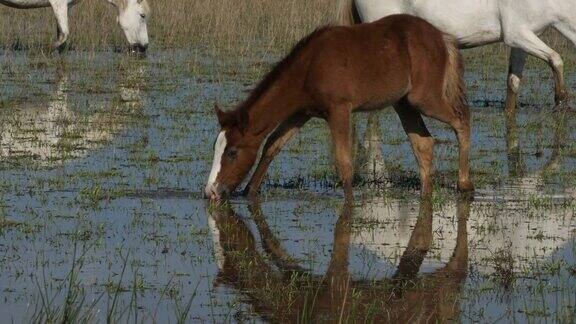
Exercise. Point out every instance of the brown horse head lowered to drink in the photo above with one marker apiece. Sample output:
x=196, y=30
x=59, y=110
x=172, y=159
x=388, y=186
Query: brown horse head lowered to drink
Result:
x=399, y=60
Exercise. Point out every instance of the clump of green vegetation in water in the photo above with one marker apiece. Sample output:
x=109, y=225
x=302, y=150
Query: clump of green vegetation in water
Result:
x=504, y=268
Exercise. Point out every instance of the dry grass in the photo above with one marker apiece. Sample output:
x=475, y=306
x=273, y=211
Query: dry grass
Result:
x=223, y=28
x=173, y=24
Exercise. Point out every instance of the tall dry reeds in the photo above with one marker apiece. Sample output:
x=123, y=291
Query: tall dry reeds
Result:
x=173, y=23
x=218, y=26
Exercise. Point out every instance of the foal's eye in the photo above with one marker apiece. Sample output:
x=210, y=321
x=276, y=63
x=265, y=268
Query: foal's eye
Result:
x=232, y=153
x=143, y=16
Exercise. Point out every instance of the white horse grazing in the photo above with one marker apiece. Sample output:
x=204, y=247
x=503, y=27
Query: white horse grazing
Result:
x=517, y=23
x=132, y=18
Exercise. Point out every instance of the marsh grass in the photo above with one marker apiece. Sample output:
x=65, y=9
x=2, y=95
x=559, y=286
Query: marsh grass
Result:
x=173, y=24
x=218, y=27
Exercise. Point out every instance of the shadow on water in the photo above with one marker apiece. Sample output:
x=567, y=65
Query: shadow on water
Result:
x=282, y=291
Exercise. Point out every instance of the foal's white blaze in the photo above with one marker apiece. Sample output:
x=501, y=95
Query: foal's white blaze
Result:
x=219, y=148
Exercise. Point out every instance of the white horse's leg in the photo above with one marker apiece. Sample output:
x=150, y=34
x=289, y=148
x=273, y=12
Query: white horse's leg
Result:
x=568, y=30
x=530, y=43
x=60, y=8
x=515, y=69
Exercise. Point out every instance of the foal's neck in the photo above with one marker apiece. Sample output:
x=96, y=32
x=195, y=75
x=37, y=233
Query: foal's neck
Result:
x=280, y=101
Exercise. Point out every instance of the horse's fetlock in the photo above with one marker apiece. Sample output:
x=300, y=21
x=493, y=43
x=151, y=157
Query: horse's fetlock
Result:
x=556, y=61
x=514, y=83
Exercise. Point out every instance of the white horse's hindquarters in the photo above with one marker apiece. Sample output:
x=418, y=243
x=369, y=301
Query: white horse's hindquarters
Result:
x=459, y=18
x=472, y=22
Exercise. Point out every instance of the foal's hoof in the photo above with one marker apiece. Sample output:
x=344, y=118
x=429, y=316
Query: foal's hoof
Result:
x=563, y=106
x=562, y=102
x=61, y=47
x=249, y=192
x=465, y=186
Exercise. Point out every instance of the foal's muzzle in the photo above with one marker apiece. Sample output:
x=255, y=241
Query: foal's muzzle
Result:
x=215, y=192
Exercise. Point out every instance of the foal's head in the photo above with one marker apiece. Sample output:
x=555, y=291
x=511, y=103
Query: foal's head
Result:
x=133, y=18
x=235, y=152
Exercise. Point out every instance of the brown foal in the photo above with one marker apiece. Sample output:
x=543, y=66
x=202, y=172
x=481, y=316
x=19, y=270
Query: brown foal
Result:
x=399, y=60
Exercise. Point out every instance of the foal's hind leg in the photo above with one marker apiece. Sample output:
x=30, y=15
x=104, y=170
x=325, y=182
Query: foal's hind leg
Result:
x=421, y=141
x=273, y=145
x=444, y=112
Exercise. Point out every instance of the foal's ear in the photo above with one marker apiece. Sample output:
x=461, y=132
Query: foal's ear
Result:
x=237, y=118
x=223, y=118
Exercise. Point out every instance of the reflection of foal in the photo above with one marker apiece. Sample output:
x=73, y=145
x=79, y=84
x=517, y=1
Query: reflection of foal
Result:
x=288, y=293
x=400, y=60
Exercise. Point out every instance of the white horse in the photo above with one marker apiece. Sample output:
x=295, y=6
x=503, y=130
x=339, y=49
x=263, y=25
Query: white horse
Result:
x=132, y=18
x=474, y=23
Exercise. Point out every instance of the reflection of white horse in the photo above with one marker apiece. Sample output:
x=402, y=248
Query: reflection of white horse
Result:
x=132, y=17
x=474, y=23
x=56, y=133
x=369, y=162
x=493, y=228
x=531, y=182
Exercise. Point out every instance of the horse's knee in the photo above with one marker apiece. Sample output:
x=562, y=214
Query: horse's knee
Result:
x=425, y=145
x=424, y=149
x=556, y=62
x=514, y=83
x=346, y=168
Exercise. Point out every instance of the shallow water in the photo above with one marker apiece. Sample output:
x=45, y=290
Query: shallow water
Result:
x=102, y=161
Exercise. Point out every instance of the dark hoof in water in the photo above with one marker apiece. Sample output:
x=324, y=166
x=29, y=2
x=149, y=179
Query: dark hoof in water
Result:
x=465, y=186
x=62, y=48
x=562, y=102
x=248, y=192
x=563, y=107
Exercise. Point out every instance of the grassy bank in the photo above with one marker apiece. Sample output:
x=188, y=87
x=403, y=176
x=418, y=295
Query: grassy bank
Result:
x=173, y=24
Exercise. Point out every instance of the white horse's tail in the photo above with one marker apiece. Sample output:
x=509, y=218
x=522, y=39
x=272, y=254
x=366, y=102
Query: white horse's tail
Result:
x=348, y=13
x=454, y=85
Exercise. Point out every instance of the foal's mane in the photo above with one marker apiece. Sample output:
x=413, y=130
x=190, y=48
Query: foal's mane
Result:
x=238, y=115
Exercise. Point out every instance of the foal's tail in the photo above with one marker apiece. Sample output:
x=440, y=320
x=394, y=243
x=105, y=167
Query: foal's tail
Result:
x=454, y=85
x=348, y=13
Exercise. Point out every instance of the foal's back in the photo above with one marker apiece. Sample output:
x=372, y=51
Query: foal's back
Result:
x=376, y=64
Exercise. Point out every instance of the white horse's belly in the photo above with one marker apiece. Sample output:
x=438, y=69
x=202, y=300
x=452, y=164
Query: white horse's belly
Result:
x=29, y=4
x=472, y=22
x=25, y=4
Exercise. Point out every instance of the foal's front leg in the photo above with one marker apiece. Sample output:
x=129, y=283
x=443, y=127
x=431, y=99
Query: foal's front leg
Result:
x=339, y=122
x=273, y=145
